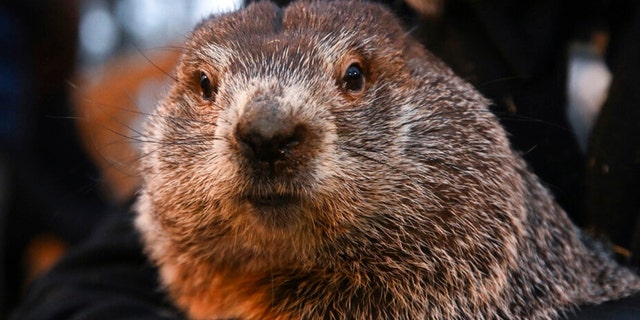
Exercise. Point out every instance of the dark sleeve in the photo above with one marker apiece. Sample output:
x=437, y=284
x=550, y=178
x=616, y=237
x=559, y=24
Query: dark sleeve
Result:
x=623, y=309
x=108, y=277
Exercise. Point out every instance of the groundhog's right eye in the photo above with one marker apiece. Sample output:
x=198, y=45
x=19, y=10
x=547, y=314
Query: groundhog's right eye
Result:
x=207, y=88
x=353, y=79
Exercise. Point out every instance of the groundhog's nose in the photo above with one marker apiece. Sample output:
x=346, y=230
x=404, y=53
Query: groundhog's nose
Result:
x=267, y=134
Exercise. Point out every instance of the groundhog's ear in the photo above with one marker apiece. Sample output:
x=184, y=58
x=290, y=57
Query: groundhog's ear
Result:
x=420, y=61
x=413, y=49
x=416, y=57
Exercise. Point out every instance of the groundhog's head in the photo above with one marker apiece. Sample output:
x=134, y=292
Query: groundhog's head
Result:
x=291, y=134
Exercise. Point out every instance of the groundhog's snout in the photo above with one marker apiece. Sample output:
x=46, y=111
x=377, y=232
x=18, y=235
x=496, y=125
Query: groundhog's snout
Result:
x=269, y=136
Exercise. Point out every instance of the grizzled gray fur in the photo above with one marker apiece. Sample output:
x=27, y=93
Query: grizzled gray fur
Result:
x=315, y=162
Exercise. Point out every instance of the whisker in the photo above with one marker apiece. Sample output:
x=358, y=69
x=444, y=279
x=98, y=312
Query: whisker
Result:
x=498, y=80
x=144, y=55
x=510, y=117
x=357, y=152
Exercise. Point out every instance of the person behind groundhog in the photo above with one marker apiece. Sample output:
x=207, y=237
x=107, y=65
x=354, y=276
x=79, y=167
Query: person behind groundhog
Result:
x=315, y=162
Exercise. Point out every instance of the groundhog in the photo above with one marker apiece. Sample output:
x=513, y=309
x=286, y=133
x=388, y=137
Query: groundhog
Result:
x=315, y=162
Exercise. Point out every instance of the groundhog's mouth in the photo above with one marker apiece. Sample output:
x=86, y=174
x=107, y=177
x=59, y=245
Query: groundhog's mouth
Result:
x=272, y=200
x=276, y=210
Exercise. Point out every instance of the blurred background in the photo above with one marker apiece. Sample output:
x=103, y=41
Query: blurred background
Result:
x=108, y=27
x=77, y=78
x=74, y=78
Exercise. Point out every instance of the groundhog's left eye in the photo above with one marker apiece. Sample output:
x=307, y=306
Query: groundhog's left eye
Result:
x=353, y=79
x=207, y=87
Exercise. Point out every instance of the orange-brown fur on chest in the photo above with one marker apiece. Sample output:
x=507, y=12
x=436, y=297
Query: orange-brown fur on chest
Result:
x=228, y=295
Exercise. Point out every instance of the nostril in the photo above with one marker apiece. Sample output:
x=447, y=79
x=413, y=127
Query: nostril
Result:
x=249, y=142
x=294, y=139
x=289, y=143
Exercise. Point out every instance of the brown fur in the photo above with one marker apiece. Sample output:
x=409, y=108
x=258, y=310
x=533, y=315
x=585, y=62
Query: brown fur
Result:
x=401, y=201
